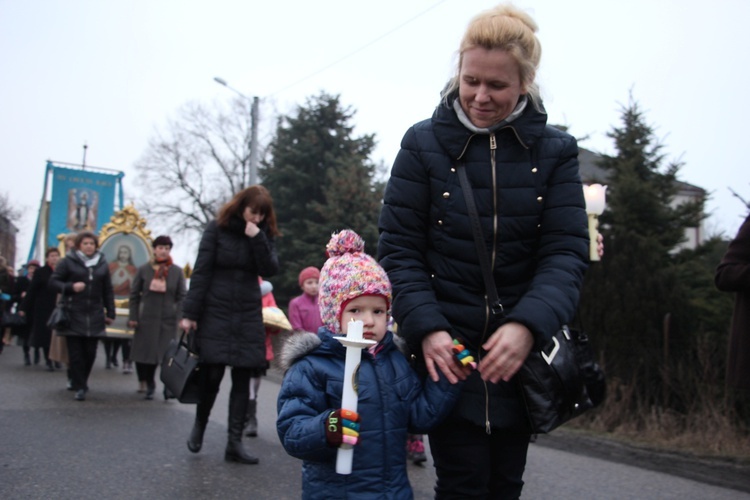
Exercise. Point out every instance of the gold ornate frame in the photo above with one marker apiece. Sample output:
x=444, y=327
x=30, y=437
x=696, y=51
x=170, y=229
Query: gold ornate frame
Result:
x=126, y=224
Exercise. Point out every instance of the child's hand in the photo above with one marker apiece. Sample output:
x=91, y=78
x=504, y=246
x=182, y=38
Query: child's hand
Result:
x=342, y=427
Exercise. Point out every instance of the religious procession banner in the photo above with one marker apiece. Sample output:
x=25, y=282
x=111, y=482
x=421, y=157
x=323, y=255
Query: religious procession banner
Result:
x=82, y=200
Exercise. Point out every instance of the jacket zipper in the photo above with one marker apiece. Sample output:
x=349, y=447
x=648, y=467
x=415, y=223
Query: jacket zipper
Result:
x=493, y=148
x=88, y=292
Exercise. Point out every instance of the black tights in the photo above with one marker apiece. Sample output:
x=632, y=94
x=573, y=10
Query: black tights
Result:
x=146, y=373
x=111, y=346
x=210, y=380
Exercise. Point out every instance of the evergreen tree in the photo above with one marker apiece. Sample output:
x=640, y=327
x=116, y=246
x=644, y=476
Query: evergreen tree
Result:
x=636, y=299
x=322, y=181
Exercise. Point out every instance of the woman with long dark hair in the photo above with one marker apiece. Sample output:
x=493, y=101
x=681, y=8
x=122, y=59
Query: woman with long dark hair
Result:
x=223, y=307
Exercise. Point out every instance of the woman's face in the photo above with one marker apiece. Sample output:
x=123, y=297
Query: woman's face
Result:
x=52, y=259
x=88, y=247
x=161, y=252
x=489, y=85
x=251, y=215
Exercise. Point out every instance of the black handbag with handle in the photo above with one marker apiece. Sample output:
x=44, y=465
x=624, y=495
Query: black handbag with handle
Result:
x=561, y=380
x=59, y=320
x=180, y=370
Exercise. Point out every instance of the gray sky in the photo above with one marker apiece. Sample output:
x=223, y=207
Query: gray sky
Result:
x=111, y=73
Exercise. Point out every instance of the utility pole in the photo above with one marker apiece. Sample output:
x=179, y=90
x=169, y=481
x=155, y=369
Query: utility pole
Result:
x=254, y=119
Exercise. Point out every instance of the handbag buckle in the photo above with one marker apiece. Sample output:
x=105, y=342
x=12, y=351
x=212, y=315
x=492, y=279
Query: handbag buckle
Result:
x=549, y=357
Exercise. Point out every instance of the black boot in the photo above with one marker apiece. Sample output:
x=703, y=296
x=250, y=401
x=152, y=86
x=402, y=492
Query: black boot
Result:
x=235, y=452
x=26, y=358
x=251, y=422
x=195, y=441
x=150, y=389
x=202, y=412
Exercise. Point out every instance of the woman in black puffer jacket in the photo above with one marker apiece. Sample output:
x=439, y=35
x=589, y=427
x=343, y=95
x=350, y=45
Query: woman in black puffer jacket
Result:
x=223, y=306
x=526, y=186
x=83, y=278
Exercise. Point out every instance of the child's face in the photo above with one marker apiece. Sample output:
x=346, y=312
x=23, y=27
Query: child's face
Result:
x=372, y=311
x=310, y=286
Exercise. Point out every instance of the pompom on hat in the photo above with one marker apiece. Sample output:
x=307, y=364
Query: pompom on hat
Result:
x=347, y=274
x=307, y=273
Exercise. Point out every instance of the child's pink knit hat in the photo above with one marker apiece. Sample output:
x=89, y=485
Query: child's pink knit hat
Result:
x=347, y=274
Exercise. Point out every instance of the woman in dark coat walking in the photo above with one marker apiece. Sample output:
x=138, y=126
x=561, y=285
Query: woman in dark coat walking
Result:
x=733, y=275
x=155, y=309
x=223, y=307
x=83, y=277
x=39, y=302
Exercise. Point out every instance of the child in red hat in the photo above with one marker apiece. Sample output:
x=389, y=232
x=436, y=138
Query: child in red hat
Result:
x=304, y=311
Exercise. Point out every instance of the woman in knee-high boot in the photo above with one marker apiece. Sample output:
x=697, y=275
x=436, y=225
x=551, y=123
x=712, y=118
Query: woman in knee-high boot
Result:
x=223, y=308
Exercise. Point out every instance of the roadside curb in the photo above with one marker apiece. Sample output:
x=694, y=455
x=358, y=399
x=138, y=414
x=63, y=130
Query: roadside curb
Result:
x=724, y=472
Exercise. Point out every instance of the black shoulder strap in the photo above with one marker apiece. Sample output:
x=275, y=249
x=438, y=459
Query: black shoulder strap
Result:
x=484, y=261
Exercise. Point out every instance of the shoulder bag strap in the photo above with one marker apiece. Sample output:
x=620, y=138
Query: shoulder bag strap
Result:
x=484, y=261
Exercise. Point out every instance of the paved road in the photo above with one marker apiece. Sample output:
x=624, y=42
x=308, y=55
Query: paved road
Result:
x=115, y=445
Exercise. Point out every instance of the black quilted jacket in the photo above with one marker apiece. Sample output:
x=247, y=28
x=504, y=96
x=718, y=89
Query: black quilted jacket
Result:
x=529, y=196
x=87, y=308
x=224, y=295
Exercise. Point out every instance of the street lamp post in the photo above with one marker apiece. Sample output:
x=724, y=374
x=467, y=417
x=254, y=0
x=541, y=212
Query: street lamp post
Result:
x=254, y=105
x=595, y=196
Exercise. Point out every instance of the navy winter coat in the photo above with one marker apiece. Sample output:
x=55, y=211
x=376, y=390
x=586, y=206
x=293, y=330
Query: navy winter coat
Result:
x=391, y=402
x=86, y=307
x=530, y=201
x=224, y=296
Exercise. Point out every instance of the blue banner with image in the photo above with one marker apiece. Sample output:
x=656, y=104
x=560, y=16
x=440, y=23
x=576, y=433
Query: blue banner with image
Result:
x=82, y=200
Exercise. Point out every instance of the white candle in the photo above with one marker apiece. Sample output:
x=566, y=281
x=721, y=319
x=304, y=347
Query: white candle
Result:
x=354, y=343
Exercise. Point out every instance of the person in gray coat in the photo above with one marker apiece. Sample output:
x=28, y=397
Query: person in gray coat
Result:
x=156, y=295
x=223, y=307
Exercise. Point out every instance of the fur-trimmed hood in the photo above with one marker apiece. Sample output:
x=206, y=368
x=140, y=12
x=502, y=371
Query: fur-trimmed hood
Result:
x=302, y=343
x=296, y=346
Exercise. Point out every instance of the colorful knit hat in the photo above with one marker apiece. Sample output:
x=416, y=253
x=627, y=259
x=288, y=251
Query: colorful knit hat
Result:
x=307, y=273
x=347, y=274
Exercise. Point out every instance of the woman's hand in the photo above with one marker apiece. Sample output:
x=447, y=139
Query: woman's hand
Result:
x=437, y=348
x=251, y=229
x=79, y=286
x=507, y=349
x=599, y=244
x=108, y=320
x=132, y=324
x=188, y=324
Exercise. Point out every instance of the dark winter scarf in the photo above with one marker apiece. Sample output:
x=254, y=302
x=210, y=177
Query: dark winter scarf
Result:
x=163, y=269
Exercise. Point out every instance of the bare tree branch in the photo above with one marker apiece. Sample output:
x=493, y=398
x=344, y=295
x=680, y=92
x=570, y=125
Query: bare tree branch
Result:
x=200, y=160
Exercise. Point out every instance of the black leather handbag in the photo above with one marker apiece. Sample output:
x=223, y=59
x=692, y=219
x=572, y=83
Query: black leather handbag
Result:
x=558, y=382
x=180, y=371
x=13, y=319
x=59, y=320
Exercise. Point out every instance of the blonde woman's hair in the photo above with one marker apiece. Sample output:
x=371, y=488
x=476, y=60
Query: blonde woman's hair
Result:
x=507, y=28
